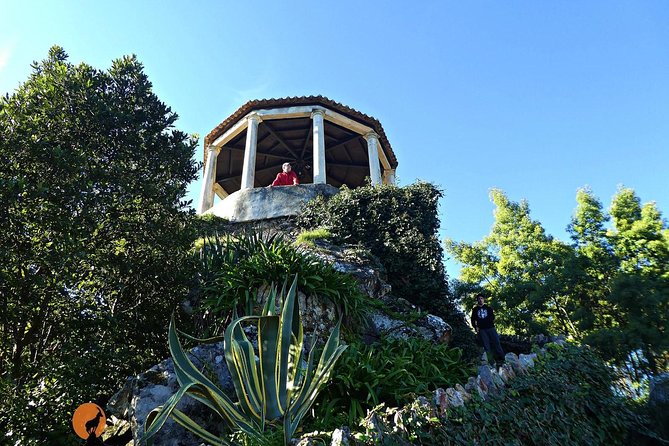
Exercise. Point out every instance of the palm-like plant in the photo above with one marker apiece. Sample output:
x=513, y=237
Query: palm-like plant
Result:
x=279, y=386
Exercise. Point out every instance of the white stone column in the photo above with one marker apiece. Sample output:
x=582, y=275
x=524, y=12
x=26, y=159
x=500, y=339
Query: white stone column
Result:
x=249, y=167
x=389, y=176
x=319, y=146
x=372, y=151
x=208, y=178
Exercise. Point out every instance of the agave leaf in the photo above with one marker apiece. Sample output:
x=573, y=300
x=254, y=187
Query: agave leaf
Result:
x=268, y=334
x=187, y=422
x=240, y=359
x=270, y=304
x=314, y=379
x=212, y=340
x=290, y=326
x=185, y=370
x=272, y=387
x=187, y=373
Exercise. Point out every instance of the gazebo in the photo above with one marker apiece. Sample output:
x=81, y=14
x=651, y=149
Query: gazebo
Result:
x=326, y=143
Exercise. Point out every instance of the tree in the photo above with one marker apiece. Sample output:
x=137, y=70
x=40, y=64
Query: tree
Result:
x=610, y=288
x=95, y=236
x=640, y=289
x=520, y=266
x=594, y=266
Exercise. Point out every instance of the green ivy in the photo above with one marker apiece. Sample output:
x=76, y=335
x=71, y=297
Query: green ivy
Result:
x=566, y=399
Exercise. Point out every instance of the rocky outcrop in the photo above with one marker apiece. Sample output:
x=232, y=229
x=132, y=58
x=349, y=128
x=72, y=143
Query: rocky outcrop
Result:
x=143, y=393
x=659, y=390
x=394, y=317
x=398, y=323
x=262, y=203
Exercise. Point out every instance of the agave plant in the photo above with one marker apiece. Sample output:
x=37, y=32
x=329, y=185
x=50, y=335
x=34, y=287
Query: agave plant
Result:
x=277, y=387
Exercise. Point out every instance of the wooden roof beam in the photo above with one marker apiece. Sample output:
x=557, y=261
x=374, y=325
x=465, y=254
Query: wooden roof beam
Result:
x=280, y=140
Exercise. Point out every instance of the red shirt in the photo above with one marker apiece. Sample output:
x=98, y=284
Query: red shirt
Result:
x=286, y=179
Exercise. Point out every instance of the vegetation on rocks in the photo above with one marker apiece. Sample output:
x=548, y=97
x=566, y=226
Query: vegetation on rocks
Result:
x=391, y=372
x=233, y=266
x=399, y=226
x=566, y=399
x=276, y=390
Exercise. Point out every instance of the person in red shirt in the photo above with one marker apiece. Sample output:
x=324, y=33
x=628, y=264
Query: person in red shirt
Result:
x=285, y=178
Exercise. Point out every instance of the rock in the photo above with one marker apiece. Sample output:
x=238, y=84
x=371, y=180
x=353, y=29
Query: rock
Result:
x=441, y=401
x=455, y=398
x=365, y=268
x=539, y=339
x=374, y=426
x=496, y=379
x=434, y=328
x=506, y=372
x=262, y=203
x=143, y=393
x=482, y=388
x=473, y=386
x=485, y=374
x=513, y=360
x=319, y=316
x=117, y=432
x=527, y=361
x=659, y=390
x=341, y=437
x=430, y=327
x=466, y=396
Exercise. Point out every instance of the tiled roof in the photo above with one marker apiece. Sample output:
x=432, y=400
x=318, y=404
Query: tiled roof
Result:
x=258, y=104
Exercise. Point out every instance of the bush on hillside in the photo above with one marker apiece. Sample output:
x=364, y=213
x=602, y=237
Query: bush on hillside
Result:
x=399, y=225
x=566, y=399
x=392, y=371
x=231, y=266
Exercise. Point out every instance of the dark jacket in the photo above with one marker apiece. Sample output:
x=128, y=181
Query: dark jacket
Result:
x=482, y=317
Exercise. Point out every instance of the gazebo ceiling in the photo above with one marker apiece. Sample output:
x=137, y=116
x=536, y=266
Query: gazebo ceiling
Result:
x=290, y=140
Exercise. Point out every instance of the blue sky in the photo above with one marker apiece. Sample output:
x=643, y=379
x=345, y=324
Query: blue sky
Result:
x=535, y=98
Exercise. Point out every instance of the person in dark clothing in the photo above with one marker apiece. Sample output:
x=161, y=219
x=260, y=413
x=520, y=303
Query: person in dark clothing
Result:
x=483, y=321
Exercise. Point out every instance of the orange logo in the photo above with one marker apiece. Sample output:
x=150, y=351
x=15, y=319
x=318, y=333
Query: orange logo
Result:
x=89, y=421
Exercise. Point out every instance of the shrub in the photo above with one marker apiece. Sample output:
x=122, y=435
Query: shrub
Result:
x=566, y=399
x=95, y=239
x=233, y=266
x=392, y=371
x=399, y=225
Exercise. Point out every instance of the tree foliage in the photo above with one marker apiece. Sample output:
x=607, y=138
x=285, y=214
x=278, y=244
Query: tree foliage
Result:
x=95, y=235
x=520, y=266
x=609, y=287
